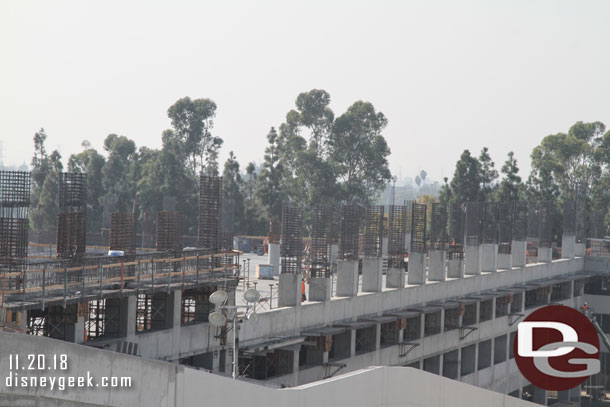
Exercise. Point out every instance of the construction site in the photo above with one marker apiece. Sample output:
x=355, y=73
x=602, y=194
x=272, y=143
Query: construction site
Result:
x=439, y=288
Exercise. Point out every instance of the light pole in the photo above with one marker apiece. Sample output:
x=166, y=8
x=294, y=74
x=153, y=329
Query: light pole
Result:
x=219, y=316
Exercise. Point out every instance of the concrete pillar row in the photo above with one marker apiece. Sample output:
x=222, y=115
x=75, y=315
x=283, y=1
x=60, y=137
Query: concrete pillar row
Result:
x=347, y=278
x=437, y=268
x=372, y=273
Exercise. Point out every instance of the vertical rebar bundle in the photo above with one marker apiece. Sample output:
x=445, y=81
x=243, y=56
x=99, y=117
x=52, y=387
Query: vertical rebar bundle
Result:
x=489, y=223
x=418, y=228
x=474, y=216
x=350, y=227
x=109, y=206
x=569, y=217
x=520, y=221
x=546, y=214
x=169, y=231
x=320, y=240
x=409, y=208
x=14, y=204
x=506, y=222
x=598, y=224
x=275, y=231
x=227, y=225
x=291, y=247
x=123, y=232
x=457, y=221
x=438, y=226
x=373, y=232
x=533, y=221
x=72, y=219
x=581, y=214
x=148, y=229
x=396, y=236
x=210, y=211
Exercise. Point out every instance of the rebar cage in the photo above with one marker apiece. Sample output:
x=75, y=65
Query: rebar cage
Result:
x=123, y=232
x=474, y=215
x=506, y=221
x=291, y=247
x=72, y=218
x=418, y=228
x=320, y=240
x=396, y=236
x=14, y=205
x=457, y=220
x=350, y=227
x=438, y=226
x=489, y=223
x=545, y=224
x=169, y=231
x=373, y=232
x=520, y=221
x=210, y=212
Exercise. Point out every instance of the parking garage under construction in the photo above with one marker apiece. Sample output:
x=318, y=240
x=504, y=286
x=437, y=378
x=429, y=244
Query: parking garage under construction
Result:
x=437, y=287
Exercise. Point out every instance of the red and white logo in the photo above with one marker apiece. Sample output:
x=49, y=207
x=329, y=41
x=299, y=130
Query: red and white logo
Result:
x=556, y=348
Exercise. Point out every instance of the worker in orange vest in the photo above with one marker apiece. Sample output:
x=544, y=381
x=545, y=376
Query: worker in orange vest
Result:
x=303, y=296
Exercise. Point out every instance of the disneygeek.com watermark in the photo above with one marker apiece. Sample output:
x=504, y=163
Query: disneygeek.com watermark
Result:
x=27, y=371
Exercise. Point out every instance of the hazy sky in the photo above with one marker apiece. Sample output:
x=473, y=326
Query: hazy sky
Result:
x=449, y=75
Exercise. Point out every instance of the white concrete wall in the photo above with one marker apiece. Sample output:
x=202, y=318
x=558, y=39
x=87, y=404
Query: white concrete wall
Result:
x=157, y=383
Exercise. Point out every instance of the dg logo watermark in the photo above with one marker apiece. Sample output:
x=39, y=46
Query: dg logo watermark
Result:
x=557, y=348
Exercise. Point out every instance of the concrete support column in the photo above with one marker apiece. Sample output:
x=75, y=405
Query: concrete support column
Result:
x=580, y=249
x=273, y=257
x=127, y=320
x=395, y=278
x=437, y=267
x=540, y=396
x=352, y=349
x=518, y=253
x=347, y=278
x=384, y=246
x=289, y=294
x=489, y=257
x=319, y=289
x=568, y=246
x=417, y=268
x=472, y=265
x=371, y=274
x=334, y=253
x=174, y=309
x=545, y=254
x=455, y=268
x=505, y=261
x=76, y=332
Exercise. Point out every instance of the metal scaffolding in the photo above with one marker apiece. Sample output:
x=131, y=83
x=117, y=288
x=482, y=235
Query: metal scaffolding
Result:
x=14, y=204
x=291, y=248
x=373, y=232
x=72, y=219
x=350, y=227
x=123, y=232
x=438, y=226
x=418, y=228
x=320, y=240
x=210, y=212
x=396, y=236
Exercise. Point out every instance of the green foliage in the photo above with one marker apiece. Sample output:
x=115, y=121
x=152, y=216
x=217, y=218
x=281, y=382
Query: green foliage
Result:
x=47, y=208
x=269, y=187
x=467, y=179
x=511, y=187
x=92, y=163
x=488, y=174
